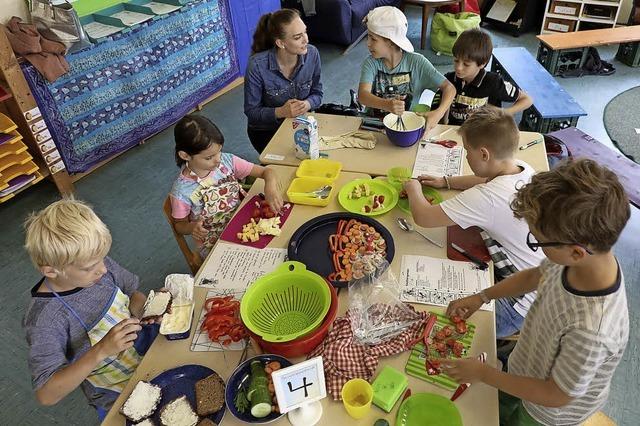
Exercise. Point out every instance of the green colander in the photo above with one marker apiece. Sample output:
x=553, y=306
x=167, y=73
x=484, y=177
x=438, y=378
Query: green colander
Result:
x=285, y=304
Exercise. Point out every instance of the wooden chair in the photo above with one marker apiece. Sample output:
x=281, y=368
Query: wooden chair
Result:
x=426, y=8
x=192, y=257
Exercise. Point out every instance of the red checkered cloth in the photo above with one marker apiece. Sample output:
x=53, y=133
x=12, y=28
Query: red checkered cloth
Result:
x=345, y=359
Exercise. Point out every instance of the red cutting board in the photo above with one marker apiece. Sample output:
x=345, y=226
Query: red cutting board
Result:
x=470, y=240
x=243, y=216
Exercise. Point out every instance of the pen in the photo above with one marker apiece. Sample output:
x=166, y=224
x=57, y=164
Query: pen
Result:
x=464, y=386
x=530, y=144
x=482, y=265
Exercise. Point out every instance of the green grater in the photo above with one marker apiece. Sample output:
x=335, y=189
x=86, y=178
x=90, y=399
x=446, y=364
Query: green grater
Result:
x=388, y=387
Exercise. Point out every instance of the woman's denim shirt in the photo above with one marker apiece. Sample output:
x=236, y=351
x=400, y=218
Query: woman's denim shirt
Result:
x=265, y=88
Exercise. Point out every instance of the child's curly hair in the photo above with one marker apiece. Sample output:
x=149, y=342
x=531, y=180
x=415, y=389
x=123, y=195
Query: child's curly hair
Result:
x=578, y=201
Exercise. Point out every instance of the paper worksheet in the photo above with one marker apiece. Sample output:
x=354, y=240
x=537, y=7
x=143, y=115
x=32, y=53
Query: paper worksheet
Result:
x=232, y=267
x=439, y=281
x=437, y=160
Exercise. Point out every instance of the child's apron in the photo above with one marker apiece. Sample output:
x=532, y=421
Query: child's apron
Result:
x=219, y=202
x=112, y=373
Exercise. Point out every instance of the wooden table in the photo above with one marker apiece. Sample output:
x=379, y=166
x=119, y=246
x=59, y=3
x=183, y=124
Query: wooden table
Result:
x=385, y=155
x=479, y=404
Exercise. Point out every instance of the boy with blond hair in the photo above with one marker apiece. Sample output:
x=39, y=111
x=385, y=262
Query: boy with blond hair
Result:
x=490, y=138
x=475, y=86
x=577, y=329
x=82, y=323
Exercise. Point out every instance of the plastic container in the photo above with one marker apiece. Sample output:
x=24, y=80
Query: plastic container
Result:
x=357, y=395
x=414, y=125
x=305, y=344
x=307, y=184
x=311, y=175
x=177, y=324
x=388, y=387
x=285, y=304
x=320, y=168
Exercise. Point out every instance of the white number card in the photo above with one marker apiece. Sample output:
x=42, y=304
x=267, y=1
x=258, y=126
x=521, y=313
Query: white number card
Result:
x=299, y=384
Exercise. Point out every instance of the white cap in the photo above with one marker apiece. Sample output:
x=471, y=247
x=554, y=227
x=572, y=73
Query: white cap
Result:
x=389, y=22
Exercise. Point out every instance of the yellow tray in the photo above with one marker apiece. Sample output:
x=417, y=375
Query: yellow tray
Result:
x=6, y=124
x=13, y=159
x=17, y=170
x=14, y=146
x=38, y=178
x=307, y=184
x=320, y=168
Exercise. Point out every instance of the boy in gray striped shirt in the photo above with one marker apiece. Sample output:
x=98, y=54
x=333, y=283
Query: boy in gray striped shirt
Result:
x=577, y=329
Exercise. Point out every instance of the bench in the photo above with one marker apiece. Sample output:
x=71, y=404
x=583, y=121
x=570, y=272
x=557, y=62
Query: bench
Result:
x=565, y=51
x=553, y=108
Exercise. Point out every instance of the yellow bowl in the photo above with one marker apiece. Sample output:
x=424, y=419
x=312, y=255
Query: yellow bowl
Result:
x=357, y=395
x=308, y=184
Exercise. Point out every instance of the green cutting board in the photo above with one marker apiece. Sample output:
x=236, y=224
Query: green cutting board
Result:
x=415, y=365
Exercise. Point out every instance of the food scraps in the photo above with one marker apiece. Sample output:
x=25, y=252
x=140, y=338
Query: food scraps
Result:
x=357, y=249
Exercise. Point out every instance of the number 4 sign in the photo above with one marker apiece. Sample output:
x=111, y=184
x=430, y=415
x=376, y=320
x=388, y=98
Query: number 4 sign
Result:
x=299, y=389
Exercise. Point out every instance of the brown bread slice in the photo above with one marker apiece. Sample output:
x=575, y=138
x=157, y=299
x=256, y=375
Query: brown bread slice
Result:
x=209, y=395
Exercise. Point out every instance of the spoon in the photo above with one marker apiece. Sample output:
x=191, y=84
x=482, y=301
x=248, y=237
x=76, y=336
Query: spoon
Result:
x=406, y=226
x=321, y=193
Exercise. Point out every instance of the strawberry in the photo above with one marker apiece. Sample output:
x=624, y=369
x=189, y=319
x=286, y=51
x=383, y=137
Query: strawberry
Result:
x=381, y=199
x=256, y=213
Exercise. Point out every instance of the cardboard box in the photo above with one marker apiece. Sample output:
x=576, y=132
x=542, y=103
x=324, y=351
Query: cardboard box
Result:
x=560, y=25
x=565, y=8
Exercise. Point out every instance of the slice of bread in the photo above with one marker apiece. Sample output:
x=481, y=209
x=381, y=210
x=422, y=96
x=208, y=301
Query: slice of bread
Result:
x=178, y=413
x=209, y=395
x=206, y=422
x=157, y=303
x=146, y=422
x=142, y=402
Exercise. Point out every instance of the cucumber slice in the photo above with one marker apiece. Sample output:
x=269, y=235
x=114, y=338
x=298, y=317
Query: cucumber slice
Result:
x=261, y=410
x=261, y=402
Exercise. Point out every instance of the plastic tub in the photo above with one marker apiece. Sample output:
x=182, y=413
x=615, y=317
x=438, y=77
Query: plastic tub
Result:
x=321, y=168
x=305, y=344
x=404, y=138
x=307, y=184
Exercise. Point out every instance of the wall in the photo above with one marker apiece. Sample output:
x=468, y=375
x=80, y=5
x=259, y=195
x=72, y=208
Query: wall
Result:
x=9, y=8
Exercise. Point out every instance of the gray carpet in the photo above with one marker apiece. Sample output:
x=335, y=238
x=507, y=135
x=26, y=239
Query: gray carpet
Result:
x=621, y=119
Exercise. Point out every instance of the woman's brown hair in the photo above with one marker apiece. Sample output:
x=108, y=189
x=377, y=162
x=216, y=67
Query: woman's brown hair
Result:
x=271, y=27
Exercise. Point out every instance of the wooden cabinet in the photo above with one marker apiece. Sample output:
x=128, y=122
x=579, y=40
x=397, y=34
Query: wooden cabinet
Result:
x=578, y=15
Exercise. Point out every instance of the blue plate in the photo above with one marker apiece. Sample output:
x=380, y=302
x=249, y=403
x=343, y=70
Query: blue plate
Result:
x=240, y=379
x=182, y=381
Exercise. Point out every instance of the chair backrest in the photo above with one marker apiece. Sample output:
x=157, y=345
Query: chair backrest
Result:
x=192, y=257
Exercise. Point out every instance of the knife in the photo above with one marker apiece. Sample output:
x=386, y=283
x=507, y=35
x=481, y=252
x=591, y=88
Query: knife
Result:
x=481, y=264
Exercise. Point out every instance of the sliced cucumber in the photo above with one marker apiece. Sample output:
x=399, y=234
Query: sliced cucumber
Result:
x=261, y=402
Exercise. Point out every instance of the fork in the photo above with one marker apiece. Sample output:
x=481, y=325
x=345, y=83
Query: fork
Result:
x=322, y=192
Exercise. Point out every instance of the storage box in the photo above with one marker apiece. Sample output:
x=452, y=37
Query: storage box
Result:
x=312, y=175
x=565, y=8
x=559, y=25
x=388, y=387
x=321, y=168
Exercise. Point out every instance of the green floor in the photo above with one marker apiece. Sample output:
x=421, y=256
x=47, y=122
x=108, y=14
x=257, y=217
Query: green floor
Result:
x=128, y=193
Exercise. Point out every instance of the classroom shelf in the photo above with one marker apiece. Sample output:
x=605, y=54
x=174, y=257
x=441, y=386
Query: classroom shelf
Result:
x=6, y=124
x=10, y=137
x=11, y=160
x=16, y=170
x=583, y=7
x=38, y=178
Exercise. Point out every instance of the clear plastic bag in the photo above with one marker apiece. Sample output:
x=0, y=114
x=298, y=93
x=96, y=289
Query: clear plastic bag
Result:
x=376, y=311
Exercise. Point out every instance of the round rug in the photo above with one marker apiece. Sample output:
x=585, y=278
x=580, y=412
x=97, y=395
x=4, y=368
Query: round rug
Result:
x=621, y=119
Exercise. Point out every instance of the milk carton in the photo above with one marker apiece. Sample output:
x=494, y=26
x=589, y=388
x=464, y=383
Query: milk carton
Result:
x=305, y=137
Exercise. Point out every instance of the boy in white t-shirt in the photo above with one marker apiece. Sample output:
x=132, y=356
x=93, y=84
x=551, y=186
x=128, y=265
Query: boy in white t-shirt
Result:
x=577, y=329
x=490, y=138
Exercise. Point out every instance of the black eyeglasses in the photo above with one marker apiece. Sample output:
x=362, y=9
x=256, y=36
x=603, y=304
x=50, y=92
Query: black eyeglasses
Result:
x=533, y=245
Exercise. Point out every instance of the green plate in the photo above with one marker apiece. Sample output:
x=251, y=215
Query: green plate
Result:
x=403, y=203
x=378, y=187
x=428, y=409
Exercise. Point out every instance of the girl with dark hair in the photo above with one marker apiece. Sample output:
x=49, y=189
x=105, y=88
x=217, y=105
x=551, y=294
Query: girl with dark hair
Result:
x=206, y=192
x=283, y=75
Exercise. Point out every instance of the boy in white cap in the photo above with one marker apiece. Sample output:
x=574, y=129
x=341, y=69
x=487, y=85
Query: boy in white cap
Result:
x=394, y=76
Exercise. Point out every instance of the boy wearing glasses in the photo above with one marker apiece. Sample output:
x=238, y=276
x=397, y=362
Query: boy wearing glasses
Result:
x=577, y=329
x=490, y=137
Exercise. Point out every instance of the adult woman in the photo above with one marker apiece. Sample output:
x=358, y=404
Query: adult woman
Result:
x=283, y=75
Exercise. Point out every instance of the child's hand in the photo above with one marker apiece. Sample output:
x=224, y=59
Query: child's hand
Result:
x=464, y=307
x=120, y=337
x=432, y=181
x=274, y=198
x=412, y=185
x=199, y=232
x=395, y=106
x=432, y=118
x=465, y=370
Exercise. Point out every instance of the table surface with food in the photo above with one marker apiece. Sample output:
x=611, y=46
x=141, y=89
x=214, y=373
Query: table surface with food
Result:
x=376, y=161
x=342, y=231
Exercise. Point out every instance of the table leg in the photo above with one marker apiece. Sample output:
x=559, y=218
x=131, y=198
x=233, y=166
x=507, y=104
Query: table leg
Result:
x=425, y=21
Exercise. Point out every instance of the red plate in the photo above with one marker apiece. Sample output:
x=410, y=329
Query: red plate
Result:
x=242, y=217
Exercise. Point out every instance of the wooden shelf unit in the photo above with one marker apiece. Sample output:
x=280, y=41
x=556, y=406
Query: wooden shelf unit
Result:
x=562, y=16
x=19, y=106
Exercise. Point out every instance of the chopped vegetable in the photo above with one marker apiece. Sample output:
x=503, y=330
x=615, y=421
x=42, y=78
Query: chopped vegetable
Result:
x=241, y=402
x=258, y=392
x=222, y=320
